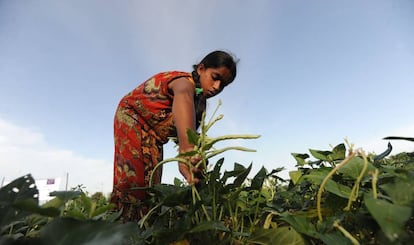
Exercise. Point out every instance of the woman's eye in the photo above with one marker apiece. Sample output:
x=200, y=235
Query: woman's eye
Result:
x=215, y=77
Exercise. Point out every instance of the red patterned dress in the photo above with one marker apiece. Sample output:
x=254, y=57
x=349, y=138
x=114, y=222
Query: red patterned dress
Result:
x=143, y=124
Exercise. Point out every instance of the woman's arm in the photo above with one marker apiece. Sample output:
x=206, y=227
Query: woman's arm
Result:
x=184, y=118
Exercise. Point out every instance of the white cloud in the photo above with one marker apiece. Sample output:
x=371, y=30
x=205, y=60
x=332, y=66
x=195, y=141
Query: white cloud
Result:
x=24, y=151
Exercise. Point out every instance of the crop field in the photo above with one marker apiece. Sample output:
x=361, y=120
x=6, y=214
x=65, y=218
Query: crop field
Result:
x=337, y=196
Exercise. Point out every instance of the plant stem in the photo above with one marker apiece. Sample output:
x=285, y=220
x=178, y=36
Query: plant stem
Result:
x=221, y=212
x=374, y=183
x=325, y=180
x=355, y=188
x=197, y=195
x=178, y=159
x=216, y=152
x=213, y=204
x=211, y=122
x=142, y=221
x=345, y=232
x=233, y=136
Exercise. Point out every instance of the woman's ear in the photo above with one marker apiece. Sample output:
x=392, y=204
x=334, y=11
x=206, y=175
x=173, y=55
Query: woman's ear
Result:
x=200, y=68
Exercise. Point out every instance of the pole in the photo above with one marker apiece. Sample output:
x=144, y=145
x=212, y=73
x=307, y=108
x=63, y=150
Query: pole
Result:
x=67, y=180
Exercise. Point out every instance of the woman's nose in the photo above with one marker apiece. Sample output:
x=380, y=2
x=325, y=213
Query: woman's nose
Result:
x=216, y=85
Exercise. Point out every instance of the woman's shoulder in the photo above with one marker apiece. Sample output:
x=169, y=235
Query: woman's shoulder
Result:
x=167, y=77
x=172, y=74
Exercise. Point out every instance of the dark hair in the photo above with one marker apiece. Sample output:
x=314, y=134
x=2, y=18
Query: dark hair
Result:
x=215, y=59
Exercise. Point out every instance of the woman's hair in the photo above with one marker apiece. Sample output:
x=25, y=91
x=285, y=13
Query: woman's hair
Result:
x=215, y=59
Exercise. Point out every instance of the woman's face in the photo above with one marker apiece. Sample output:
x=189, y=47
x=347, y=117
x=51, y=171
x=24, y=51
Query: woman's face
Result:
x=213, y=80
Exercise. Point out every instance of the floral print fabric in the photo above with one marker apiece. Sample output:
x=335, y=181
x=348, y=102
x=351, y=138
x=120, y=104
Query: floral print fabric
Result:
x=143, y=123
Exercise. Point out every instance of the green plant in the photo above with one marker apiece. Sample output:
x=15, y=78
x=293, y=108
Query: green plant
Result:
x=337, y=196
x=210, y=210
x=344, y=198
x=70, y=218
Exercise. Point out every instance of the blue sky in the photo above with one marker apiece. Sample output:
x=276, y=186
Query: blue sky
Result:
x=311, y=73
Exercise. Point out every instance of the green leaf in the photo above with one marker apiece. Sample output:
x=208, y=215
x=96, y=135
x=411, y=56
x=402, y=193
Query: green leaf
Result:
x=86, y=203
x=240, y=178
x=338, y=189
x=295, y=176
x=300, y=224
x=64, y=231
x=354, y=167
x=178, y=182
x=321, y=155
x=171, y=195
x=215, y=174
x=304, y=225
x=20, y=189
x=31, y=206
x=75, y=214
x=101, y=210
x=300, y=158
x=401, y=192
x=338, y=153
x=208, y=226
x=237, y=171
x=390, y=217
x=331, y=186
x=54, y=203
x=192, y=137
x=258, y=179
x=281, y=235
x=66, y=195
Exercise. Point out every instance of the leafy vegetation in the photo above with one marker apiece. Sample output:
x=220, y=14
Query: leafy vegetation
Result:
x=336, y=196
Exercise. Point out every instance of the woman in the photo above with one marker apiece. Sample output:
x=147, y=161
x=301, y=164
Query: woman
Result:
x=164, y=106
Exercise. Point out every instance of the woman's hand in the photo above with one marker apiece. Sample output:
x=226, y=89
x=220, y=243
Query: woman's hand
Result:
x=189, y=171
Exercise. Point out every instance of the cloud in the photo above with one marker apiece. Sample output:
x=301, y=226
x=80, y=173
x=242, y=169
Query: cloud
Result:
x=24, y=151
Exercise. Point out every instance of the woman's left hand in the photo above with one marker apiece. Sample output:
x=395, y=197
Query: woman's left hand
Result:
x=189, y=171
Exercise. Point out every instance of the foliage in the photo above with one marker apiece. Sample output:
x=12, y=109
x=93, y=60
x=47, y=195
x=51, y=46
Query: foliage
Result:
x=337, y=196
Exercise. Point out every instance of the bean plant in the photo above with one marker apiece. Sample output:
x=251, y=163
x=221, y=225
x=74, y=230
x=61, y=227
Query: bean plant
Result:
x=342, y=195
